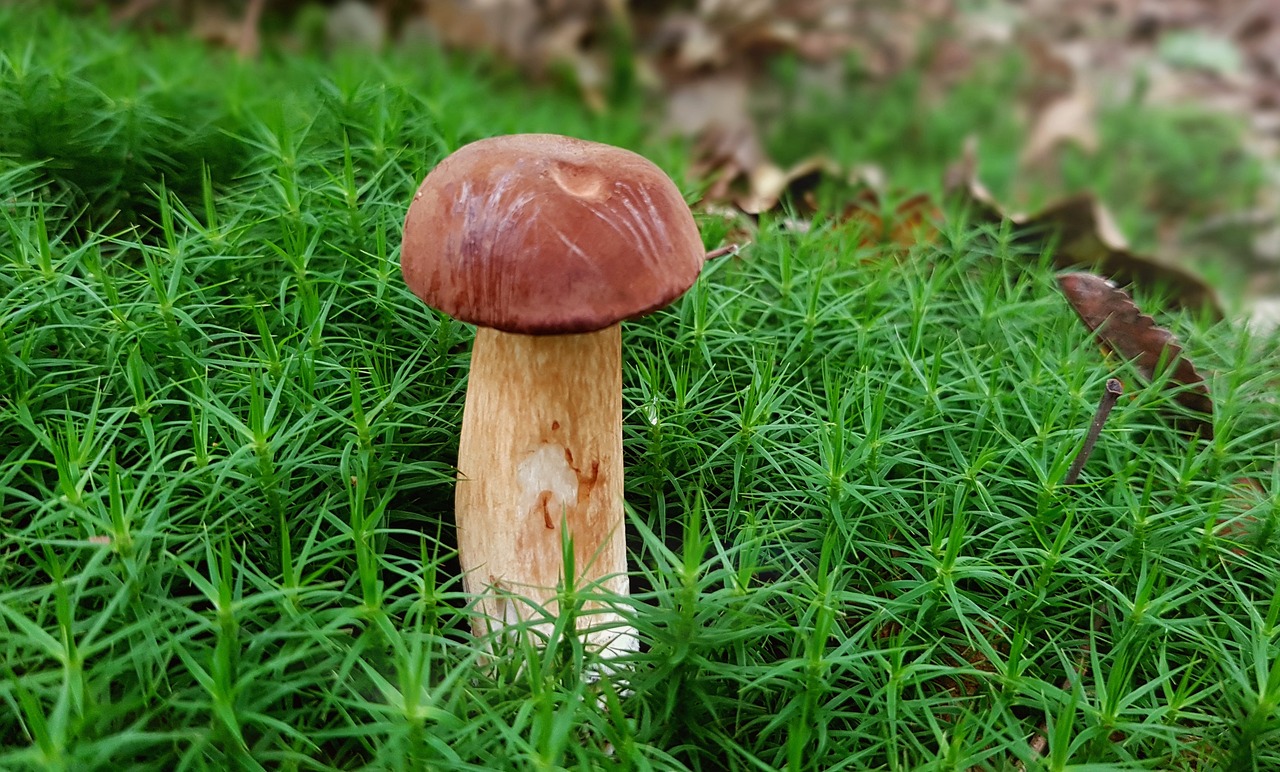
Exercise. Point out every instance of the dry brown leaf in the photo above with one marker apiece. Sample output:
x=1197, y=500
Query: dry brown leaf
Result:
x=913, y=221
x=564, y=44
x=503, y=27
x=949, y=62
x=1068, y=119
x=1264, y=315
x=1051, y=75
x=769, y=184
x=690, y=46
x=961, y=179
x=728, y=150
x=127, y=13
x=725, y=156
x=738, y=228
x=214, y=26
x=1086, y=237
x=1119, y=325
x=714, y=102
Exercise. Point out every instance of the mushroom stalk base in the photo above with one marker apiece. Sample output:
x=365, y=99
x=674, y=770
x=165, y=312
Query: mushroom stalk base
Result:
x=540, y=452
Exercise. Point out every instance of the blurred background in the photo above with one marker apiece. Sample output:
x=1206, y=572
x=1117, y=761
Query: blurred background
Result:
x=1161, y=118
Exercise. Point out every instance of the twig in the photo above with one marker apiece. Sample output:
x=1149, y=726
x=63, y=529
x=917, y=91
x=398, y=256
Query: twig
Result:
x=1040, y=740
x=725, y=251
x=1109, y=396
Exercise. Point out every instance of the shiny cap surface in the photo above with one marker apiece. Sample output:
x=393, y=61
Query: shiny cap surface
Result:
x=542, y=234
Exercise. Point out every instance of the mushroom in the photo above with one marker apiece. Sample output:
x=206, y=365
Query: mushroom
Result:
x=545, y=243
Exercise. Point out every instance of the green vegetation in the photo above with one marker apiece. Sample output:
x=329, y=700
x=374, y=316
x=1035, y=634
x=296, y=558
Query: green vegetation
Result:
x=227, y=430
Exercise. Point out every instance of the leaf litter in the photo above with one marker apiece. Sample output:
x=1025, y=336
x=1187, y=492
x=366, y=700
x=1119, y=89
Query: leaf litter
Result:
x=1110, y=313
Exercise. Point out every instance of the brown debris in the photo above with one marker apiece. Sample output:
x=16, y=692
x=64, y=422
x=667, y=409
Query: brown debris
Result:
x=1068, y=119
x=768, y=185
x=706, y=64
x=1086, y=236
x=1121, y=327
x=912, y=221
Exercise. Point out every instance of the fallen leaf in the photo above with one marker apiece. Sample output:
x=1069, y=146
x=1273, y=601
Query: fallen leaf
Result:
x=712, y=110
x=503, y=27
x=1067, y=120
x=960, y=179
x=1112, y=315
x=733, y=225
x=913, y=221
x=565, y=45
x=768, y=184
x=1084, y=236
x=1051, y=75
x=130, y=11
x=692, y=44
x=1087, y=236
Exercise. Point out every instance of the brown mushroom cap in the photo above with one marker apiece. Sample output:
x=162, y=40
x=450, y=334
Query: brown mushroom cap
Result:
x=542, y=234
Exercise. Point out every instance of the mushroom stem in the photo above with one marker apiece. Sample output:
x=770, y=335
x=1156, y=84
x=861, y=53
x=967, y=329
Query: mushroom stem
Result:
x=541, y=450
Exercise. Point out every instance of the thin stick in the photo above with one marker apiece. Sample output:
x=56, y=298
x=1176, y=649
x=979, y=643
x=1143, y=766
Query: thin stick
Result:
x=1040, y=740
x=731, y=249
x=1109, y=396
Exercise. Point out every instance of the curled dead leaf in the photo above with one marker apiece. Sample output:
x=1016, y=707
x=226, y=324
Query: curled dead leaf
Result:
x=1088, y=236
x=769, y=184
x=1121, y=327
x=1084, y=235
